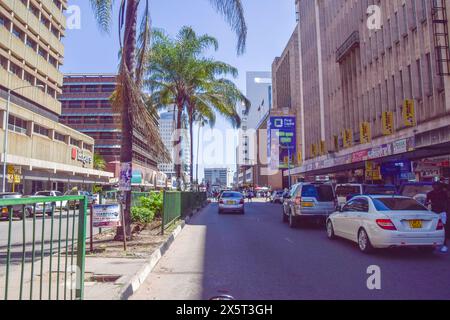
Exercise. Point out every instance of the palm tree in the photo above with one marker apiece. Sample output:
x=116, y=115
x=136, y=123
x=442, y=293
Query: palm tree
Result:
x=128, y=100
x=180, y=76
x=99, y=162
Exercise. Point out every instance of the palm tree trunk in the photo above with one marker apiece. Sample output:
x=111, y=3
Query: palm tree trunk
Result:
x=191, y=137
x=177, y=144
x=198, y=149
x=126, y=151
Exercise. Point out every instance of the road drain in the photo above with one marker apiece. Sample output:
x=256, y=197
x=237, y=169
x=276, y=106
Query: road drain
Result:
x=103, y=278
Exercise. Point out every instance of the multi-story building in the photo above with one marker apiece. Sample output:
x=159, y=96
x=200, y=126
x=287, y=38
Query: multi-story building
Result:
x=44, y=153
x=217, y=176
x=86, y=107
x=259, y=93
x=167, y=127
x=375, y=87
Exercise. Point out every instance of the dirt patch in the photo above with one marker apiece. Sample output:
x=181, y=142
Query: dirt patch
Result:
x=146, y=239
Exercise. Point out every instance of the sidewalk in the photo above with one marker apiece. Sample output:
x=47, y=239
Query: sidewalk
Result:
x=118, y=275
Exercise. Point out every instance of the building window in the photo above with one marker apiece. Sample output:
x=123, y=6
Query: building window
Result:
x=42, y=53
x=13, y=68
x=106, y=120
x=75, y=142
x=53, y=61
x=88, y=147
x=34, y=10
x=75, y=105
x=108, y=88
x=29, y=78
x=60, y=137
x=51, y=92
x=3, y=21
x=76, y=89
x=90, y=120
x=32, y=44
x=3, y=63
x=92, y=89
x=91, y=104
x=40, y=130
x=75, y=120
x=17, y=33
x=16, y=124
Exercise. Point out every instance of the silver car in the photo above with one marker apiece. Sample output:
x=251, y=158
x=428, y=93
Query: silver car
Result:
x=231, y=201
x=309, y=202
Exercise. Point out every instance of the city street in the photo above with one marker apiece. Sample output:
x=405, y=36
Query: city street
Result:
x=256, y=256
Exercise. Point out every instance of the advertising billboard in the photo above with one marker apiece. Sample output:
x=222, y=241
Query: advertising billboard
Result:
x=281, y=136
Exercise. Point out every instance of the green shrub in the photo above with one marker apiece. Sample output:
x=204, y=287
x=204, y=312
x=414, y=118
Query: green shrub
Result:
x=149, y=207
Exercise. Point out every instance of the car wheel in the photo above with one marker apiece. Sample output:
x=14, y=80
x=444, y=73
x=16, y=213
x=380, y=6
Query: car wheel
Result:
x=292, y=221
x=330, y=230
x=364, y=242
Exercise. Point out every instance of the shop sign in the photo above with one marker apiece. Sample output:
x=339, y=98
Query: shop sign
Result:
x=365, y=132
x=380, y=151
x=400, y=146
x=409, y=113
x=387, y=120
x=373, y=171
x=81, y=157
x=360, y=156
x=106, y=216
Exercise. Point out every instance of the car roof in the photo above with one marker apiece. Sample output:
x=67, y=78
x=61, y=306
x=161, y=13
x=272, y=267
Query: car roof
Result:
x=348, y=184
x=380, y=196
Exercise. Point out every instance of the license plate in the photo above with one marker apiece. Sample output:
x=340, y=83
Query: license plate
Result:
x=307, y=204
x=230, y=202
x=415, y=224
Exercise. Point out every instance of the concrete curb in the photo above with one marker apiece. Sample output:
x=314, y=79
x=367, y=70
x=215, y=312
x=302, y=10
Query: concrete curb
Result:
x=138, y=279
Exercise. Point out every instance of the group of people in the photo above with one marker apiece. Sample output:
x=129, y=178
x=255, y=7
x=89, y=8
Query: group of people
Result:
x=438, y=201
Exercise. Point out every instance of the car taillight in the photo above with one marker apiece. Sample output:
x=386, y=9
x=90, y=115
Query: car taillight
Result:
x=386, y=224
x=298, y=200
x=242, y=201
x=440, y=225
x=221, y=201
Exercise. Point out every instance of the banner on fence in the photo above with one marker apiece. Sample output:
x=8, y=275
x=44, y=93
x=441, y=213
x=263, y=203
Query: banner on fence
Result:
x=106, y=216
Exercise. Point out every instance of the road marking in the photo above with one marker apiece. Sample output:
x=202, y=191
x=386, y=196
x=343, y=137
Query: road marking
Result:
x=289, y=240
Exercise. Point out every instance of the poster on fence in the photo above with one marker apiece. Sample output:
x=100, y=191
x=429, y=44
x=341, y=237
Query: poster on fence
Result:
x=106, y=216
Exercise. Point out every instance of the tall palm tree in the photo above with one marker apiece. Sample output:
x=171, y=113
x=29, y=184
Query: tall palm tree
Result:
x=99, y=162
x=128, y=96
x=180, y=76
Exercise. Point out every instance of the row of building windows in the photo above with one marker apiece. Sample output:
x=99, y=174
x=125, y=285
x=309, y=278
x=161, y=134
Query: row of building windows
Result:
x=88, y=120
x=41, y=17
x=39, y=49
x=19, y=125
x=86, y=104
x=104, y=88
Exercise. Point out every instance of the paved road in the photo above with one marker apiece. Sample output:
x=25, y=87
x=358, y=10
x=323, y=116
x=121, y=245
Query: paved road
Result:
x=256, y=256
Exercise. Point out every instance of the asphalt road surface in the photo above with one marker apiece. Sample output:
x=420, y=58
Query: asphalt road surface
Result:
x=256, y=256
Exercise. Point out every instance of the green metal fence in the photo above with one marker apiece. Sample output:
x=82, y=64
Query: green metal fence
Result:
x=180, y=204
x=42, y=248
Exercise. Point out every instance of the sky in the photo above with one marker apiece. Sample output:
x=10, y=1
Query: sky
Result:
x=270, y=24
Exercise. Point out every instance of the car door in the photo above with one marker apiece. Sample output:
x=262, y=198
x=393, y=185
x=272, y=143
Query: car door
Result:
x=342, y=222
x=355, y=217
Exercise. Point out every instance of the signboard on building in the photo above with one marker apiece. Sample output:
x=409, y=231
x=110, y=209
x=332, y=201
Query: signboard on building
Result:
x=106, y=216
x=409, y=113
x=387, y=122
x=281, y=138
x=373, y=171
x=347, y=137
x=365, y=132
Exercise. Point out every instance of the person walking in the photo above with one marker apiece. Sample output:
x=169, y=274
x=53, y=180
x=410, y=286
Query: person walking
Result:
x=438, y=200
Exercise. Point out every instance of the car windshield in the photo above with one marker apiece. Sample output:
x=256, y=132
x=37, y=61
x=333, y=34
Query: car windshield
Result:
x=343, y=191
x=389, y=190
x=411, y=190
x=231, y=195
x=320, y=192
x=397, y=204
x=44, y=193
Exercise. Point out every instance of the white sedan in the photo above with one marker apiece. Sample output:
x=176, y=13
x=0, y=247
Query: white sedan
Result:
x=385, y=222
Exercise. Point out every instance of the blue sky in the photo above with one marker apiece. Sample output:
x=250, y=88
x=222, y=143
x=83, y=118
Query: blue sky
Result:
x=270, y=24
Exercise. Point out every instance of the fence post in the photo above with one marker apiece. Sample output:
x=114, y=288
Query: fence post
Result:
x=163, y=213
x=81, y=249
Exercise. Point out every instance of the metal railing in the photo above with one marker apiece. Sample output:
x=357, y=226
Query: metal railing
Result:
x=180, y=205
x=42, y=248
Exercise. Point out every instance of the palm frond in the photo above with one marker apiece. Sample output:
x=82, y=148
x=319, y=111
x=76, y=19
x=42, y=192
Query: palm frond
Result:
x=103, y=10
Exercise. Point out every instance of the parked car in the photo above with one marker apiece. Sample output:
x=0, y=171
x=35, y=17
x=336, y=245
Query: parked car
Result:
x=382, y=221
x=374, y=189
x=231, y=201
x=309, y=202
x=346, y=190
x=277, y=196
x=17, y=210
x=57, y=204
x=416, y=190
x=91, y=198
x=40, y=208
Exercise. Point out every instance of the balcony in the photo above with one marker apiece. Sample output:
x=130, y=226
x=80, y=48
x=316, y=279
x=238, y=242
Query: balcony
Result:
x=352, y=42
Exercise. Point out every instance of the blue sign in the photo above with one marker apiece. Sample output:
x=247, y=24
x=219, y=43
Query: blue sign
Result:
x=282, y=142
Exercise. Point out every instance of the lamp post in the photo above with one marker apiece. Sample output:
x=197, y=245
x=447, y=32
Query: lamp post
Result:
x=6, y=124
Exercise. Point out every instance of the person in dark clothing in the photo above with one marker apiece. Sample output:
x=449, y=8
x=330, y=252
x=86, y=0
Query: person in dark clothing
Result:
x=438, y=199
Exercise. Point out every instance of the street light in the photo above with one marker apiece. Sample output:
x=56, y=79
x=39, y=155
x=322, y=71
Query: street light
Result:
x=6, y=125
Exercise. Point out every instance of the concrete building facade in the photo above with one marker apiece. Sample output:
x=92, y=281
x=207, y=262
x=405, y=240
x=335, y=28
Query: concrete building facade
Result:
x=45, y=153
x=375, y=84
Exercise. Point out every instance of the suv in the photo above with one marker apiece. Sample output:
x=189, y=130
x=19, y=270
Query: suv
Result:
x=309, y=201
x=346, y=190
x=416, y=190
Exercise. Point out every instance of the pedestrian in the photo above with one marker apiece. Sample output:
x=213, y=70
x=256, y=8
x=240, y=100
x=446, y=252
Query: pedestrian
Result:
x=447, y=220
x=267, y=196
x=438, y=200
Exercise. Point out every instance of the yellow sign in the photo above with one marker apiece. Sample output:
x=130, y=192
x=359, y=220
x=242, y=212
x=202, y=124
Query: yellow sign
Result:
x=314, y=150
x=11, y=169
x=365, y=132
x=323, y=148
x=387, y=121
x=409, y=113
x=12, y=178
x=347, y=136
x=373, y=171
x=299, y=158
x=336, y=143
